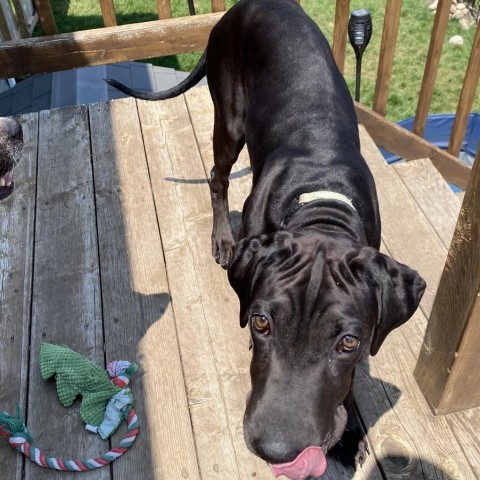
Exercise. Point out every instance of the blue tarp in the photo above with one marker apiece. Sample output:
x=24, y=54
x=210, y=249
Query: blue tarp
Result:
x=438, y=131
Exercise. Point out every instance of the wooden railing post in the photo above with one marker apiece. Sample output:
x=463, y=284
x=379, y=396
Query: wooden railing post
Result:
x=164, y=9
x=218, y=6
x=387, y=51
x=466, y=97
x=45, y=17
x=108, y=13
x=448, y=370
x=431, y=67
x=342, y=12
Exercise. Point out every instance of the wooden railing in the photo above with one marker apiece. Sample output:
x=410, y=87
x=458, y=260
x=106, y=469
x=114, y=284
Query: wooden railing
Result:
x=446, y=360
x=17, y=19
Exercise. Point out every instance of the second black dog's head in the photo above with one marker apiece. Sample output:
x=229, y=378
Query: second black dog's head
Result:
x=11, y=144
x=314, y=305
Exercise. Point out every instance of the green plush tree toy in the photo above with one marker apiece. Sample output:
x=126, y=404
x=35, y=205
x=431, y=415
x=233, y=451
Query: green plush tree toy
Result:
x=106, y=401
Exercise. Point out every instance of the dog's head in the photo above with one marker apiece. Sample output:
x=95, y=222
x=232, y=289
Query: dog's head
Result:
x=314, y=307
x=11, y=144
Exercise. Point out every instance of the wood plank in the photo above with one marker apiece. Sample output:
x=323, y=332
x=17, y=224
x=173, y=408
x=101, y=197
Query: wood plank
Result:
x=66, y=305
x=106, y=45
x=431, y=67
x=386, y=57
x=46, y=18
x=139, y=323
x=448, y=429
x=200, y=108
x=218, y=5
x=447, y=366
x=407, y=145
x=27, y=16
x=214, y=350
x=434, y=197
x=409, y=236
x=342, y=11
x=16, y=258
x=108, y=13
x=164, y=9
x=21, y=20
x=467, y=96
x=8, y=25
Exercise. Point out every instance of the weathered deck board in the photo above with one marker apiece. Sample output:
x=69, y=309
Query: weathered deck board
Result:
x=151, y=286
x=138, y=319
x=408, y=226
x=215, y=374
x=17, y=215
x=441, y=208
x=66, y=305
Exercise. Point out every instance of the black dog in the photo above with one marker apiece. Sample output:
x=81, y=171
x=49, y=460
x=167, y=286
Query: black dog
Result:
x=313, y=287
x=11, y=144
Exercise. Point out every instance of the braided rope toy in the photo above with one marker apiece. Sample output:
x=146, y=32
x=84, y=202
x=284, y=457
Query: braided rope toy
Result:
x=105, y=404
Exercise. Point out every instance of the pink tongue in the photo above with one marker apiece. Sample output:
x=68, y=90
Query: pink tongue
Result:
x=310, y=462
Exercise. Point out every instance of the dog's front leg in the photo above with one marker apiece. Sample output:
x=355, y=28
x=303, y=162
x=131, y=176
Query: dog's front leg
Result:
x=227, y=145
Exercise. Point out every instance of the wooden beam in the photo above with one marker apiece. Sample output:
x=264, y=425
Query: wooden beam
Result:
x=45, y=17
x=466, y=97
x=21, y=19
x=433, y=60
x=164, y=9
x=342, y=11
x=108, y=13
x=387, y=51
x=447, y=369
x=106, y=45
x=407, y=145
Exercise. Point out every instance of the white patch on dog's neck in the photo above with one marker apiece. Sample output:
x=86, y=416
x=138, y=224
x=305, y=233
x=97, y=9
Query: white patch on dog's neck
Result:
x=325, y=195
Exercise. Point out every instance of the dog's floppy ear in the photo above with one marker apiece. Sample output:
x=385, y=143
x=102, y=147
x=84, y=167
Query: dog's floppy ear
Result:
x=399, y=290
x=250, y=257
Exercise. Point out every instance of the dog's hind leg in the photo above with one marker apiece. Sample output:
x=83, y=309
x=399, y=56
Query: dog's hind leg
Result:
x=228, y=141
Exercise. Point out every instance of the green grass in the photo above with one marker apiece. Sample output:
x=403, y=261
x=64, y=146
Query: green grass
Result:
x=410, y=55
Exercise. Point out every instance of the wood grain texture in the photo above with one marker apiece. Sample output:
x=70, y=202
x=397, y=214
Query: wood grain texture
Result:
x=447, y=368
x=216, y=370
x=432, y=194
x=45, y=17
x=66, y=305
x=467, y=96
x=407, y=145
x=138, y=318
x=16, y=258
x=106, y=45
x=387, y=52
x=8, y=25
x=164, y=9
x=218, y=5
x=431, y=67
x=108, y=13
x=340, y=29
x=409, y=237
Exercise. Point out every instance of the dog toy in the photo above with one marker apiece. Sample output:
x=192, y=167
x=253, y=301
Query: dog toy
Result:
x=105, y=403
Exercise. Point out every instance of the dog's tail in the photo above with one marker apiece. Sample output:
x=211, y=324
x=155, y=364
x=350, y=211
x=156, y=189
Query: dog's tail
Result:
x=195, y=76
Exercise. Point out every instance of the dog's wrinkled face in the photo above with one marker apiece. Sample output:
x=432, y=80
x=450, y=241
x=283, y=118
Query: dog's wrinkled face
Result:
x=315, y=305
x=11, y=144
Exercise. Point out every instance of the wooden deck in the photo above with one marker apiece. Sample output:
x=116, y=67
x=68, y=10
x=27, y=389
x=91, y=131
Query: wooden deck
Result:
x=105, y=247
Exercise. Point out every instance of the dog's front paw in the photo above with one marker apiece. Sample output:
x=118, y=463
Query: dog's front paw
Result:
x=363, y=451
x=222, y=250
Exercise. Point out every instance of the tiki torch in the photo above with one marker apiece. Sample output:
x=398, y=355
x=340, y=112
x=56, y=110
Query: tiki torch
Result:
x=359, y=33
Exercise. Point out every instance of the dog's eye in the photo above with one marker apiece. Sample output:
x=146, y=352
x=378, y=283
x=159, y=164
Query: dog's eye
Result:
x=348, y=343
x=261, y=324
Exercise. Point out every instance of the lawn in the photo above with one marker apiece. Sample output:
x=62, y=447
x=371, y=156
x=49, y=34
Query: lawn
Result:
x=412, y=46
